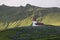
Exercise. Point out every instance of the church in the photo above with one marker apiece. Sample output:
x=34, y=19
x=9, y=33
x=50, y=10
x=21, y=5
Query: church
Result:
x=36, y=23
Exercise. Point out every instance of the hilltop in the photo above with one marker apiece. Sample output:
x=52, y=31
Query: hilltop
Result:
x=11, y=17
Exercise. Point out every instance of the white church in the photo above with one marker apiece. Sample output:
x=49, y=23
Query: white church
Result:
x=36, y=23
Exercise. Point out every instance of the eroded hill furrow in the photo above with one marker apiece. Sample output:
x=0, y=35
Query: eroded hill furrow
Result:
x=11, y=17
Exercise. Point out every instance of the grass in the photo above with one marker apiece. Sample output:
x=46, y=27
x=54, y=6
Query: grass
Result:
x=31, y=33
x=11, y=17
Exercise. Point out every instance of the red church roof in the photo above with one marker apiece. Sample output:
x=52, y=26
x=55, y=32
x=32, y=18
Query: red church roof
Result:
x=39, y=24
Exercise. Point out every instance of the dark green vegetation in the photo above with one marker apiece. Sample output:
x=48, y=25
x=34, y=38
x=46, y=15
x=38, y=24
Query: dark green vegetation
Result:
x=31, y=33
x=11, y=17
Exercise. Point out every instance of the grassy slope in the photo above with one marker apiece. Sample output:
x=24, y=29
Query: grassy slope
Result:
x=11, y=17
x=52, y=19
x=31, y=33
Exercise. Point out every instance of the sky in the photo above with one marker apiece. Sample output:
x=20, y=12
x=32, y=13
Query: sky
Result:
x=40, y=3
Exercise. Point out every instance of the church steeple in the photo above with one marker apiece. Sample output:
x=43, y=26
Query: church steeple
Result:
x=34, y=18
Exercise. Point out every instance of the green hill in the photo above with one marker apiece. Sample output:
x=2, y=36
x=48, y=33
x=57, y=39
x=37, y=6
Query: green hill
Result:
x=31, y=33
x=11, y=17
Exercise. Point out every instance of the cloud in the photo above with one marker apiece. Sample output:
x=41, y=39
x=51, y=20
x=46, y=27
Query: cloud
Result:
x=42, y=3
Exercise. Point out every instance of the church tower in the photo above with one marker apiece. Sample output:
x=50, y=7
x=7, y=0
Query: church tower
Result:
x=34, y=21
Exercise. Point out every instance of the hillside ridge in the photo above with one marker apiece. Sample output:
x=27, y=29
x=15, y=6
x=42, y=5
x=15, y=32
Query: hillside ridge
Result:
x=11, y=17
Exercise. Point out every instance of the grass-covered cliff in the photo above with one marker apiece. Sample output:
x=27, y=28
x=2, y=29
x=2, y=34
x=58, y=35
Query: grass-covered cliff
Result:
x=11, y=17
